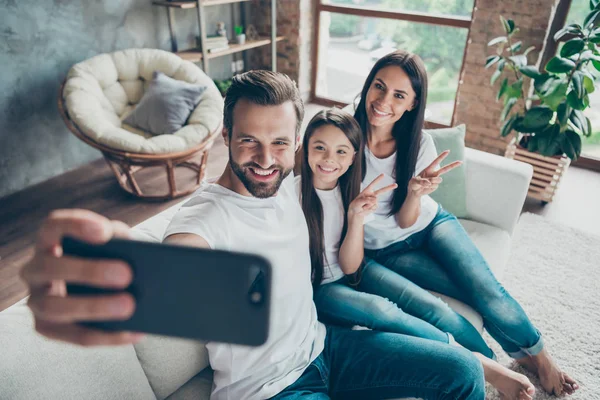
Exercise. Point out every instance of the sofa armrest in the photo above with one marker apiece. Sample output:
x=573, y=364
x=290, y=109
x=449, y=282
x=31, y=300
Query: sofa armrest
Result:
x=496, y=188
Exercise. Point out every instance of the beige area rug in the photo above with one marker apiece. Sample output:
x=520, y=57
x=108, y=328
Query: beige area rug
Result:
x=554, y=272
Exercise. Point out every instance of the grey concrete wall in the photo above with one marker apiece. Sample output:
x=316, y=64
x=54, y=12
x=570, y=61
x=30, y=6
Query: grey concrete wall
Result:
x=39, y=41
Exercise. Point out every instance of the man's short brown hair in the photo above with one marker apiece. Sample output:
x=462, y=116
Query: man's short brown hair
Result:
x=264, y=88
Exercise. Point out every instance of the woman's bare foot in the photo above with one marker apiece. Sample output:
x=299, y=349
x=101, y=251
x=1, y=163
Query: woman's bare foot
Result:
x=510, y=384
x=553, y=380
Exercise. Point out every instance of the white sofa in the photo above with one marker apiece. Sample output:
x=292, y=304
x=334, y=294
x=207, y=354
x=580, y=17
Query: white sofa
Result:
x=32, y=367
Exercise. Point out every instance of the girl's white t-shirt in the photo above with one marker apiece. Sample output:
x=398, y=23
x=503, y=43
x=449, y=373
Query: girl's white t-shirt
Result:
x=276, y=229
x=382, y=229
x=333, y=223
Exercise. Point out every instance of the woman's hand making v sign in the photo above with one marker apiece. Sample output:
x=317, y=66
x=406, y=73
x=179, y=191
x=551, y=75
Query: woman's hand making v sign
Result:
x=429, y=179
x=366, y=201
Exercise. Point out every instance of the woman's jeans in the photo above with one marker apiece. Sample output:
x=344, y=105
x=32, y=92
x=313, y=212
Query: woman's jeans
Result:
x=379, y=365
x=387, y=302
x=443, y=258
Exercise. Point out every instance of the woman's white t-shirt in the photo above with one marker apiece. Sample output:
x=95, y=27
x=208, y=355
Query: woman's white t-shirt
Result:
x=276, y=229
x=382, y=229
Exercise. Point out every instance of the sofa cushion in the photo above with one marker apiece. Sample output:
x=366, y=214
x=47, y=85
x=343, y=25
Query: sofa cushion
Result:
x=452, y=192
x=170, y=362
x=33, y=367
x=197, y=388
x=165, y=106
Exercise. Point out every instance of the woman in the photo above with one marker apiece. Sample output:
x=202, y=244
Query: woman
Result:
x=415, y=237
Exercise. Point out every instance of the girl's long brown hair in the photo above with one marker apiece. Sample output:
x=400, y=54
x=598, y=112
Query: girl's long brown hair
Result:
x=407, y=130
x=349, y=184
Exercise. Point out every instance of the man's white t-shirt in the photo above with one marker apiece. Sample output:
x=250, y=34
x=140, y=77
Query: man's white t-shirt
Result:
x=382, y=229
x=274, y=228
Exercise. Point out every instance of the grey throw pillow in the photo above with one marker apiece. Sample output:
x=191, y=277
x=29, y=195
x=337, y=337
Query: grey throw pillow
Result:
x=166, y=105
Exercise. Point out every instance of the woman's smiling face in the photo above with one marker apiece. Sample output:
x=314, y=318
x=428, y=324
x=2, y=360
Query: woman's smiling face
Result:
x=391, y=95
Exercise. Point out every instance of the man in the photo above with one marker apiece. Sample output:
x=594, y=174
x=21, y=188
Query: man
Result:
x=253, y=207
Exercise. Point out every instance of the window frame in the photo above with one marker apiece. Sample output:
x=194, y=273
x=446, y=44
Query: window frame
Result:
x=418, y=17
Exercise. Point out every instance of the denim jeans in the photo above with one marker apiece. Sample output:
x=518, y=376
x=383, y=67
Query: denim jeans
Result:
x=378, y=365
x=443, y=258
x=385, y=301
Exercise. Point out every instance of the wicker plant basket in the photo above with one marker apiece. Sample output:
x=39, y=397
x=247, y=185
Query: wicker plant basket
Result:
x=547, y=171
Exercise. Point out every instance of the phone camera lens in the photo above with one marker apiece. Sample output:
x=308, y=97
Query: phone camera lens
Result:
x=256, y=297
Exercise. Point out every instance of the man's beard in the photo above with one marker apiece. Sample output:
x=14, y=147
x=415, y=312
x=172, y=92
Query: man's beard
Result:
x=262, y=190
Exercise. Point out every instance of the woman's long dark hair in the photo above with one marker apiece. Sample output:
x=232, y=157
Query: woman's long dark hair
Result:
x=407, y=130
x=349, y=184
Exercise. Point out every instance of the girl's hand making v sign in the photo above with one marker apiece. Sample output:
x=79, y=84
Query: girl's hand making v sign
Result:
x=429, y=179
x=366, y=201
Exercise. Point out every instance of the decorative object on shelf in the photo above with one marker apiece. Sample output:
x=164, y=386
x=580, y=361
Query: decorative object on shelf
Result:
x=240, y=36
x=214, y=43
x=251, y=32
x=549, y=124
x=223, y=85
x=221, y=31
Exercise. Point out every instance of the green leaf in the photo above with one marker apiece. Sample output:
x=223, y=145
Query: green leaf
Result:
x=509, y=25
x=589, y=127
x=528, y=50
x=530, y=71
x=562, y=114
x=552, y=90
x=536, y=118
x=514, y=90
x=572, y=29
x=507, y=107
x=507, y=127
x=501, y=64
x=571, y=144
x=495, y=76
x=595, y=37
x=549, y=140
x=516, y=46
x=491, y=60
x=577, y=81
x=578, y=120
x=559, y=65
x=573, y=46
x=499, y=39
x=503, y=87
x=532, y=144
x=591, y=18
x=596, y=64
x=519, y=60
x=576, y=102
x=588, y=82
x=594, y=4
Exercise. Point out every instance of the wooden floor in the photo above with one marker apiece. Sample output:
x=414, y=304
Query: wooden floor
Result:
x=94, y=187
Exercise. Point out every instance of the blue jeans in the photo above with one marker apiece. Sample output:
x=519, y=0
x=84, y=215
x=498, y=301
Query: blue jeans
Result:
x=443, y=258
x=388, y=302
x=379, y=365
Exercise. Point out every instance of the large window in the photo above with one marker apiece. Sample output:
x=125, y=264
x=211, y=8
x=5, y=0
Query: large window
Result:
x=353, y=34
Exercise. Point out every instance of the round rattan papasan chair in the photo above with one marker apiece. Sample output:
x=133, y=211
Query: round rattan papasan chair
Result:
x=99, y=93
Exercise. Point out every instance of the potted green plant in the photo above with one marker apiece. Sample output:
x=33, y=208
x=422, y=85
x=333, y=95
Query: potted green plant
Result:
x=550, y=122
x=240, y=36
x=222, y=85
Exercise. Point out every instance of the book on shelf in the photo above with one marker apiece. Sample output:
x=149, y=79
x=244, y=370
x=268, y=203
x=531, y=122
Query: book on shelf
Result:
x=217, y=49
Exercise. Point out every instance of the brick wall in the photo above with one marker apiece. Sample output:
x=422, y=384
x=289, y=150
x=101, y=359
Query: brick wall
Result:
x=294, y=54
x=476, y=102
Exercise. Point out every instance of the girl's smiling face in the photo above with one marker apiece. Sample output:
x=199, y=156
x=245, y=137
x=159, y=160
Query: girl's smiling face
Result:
x=330, y=154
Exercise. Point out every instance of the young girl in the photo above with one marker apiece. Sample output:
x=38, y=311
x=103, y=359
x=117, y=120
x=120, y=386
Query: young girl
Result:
x=349, y=291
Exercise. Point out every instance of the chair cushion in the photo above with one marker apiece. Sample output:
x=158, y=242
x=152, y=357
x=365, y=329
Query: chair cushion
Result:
x=165, y=106
x=33, y=367
x=197, y=388
x=102, y=91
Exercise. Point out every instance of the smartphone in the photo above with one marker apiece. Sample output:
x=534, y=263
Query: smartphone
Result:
x=188, y=292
